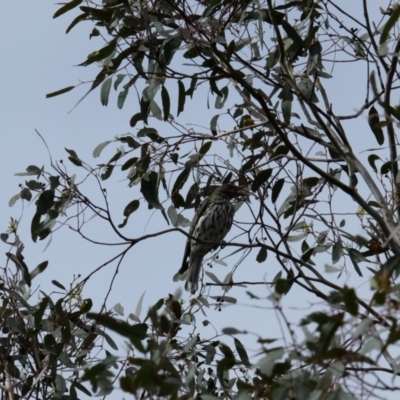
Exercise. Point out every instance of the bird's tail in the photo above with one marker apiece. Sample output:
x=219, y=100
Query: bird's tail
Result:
x=192, y=280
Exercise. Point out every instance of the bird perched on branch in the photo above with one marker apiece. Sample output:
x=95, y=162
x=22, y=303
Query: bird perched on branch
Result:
x=211, y=223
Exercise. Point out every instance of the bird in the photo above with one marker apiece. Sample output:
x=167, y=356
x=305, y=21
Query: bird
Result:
x=211, y=223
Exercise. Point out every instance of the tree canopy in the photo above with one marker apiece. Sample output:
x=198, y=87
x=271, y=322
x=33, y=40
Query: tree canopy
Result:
x=298, y=101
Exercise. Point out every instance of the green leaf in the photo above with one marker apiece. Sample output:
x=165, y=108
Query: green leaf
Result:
x=173, y=216
x=105, y=91
x=129, y=209
x=204, y=149
x=356, y=257
x=118, y=80
x=30, y=170
x=54, y=182
x=262, y=255
x=108, y=169
x=66, y=7
x=14, y=199
x=58, y=284
x=110, y=342
x=178, y=185
x=149, y=189
x=261, y=178
x=100, y=54
x=389, y=24
x=130, y=141
x=181, y=97
x=26, y=194
x=155, y=110
x=277, y=189
x=136, y=333
x=74, y=157
x=371, y=160
x=122, y=97
x=39, y=269
x=286, y=104
x=20, y=264
x=350, y=300
x=35, y=226
x=136, y=118
x=392, y=264
x=144, y=109
x=34, y=185
x=40, y=311
x=61, y=91
x=311, y=182
x=82, y=388
x=337, y=251
x=242, y=352
x=150, y=133
x=386, y=167
x=99, y=148
x=210, y=354
x=166, y=103
x=307, y=251
x=373, y=121
x=222, y=97
x=292, y=33
x=306, y=87
x=45, y=202
x=213, y=124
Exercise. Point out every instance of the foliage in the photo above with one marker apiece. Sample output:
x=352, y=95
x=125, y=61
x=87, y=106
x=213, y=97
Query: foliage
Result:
x=325, y=208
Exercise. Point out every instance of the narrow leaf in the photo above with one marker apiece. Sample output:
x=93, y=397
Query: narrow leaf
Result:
x=356, y=257
x=105, y=91
x=182, y=97
x=242, y=352
x=99, y=148
x=373, y=121
x=166, y=103
x=58, y=92
x=58, y=284
x=277, y=189
x=66, y=7
x=389, y=24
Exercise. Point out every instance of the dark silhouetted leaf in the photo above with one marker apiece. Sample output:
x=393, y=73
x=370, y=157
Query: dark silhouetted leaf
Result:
x=129, y=209
x=373, y=120
x=149, y=190
x=182, y=97
x=356, y=257
x=166, y=103
x=390, y=23
x=135, y=119
x=242, y=352
x=26, y=194
x=277, y=189
x=61, y=91
x=66, y=7
x=262, y=255
x=130, y=141
x=74, y=157
x=31, y=170
x=45, y=202
x=58, y=284
x=350, y=300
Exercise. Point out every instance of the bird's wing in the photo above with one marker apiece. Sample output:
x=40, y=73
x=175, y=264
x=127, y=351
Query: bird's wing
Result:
x=197, y=216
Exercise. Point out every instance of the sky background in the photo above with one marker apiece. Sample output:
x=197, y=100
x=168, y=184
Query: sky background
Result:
x=39, y=58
